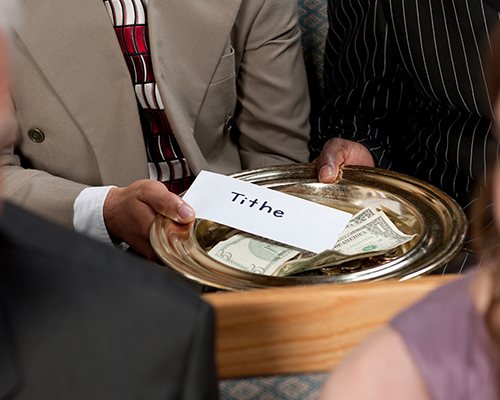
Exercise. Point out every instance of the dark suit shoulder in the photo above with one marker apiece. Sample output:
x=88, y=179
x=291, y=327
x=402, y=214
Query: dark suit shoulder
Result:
x=107, y=324
x=36, y=240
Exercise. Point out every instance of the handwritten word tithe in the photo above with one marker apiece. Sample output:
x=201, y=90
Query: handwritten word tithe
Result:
x=243, y=200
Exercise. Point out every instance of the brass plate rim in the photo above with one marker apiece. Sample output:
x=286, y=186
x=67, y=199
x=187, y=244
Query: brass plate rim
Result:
x=177, y=247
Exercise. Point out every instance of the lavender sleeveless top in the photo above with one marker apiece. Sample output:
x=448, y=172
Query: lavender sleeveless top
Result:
x=449, y=342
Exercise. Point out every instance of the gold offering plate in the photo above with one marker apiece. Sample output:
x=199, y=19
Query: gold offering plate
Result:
x=414, y=206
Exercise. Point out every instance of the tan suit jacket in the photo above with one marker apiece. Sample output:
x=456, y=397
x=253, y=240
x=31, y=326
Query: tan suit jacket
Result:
x=213, y=59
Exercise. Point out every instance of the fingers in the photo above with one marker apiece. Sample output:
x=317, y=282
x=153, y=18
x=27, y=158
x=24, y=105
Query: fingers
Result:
x=328, y=173
x=164, y=202
x=330, y=159
x=129, y=212
x=337, y=152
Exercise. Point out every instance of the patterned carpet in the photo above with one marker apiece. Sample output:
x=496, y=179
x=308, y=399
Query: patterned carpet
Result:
x=290, y=387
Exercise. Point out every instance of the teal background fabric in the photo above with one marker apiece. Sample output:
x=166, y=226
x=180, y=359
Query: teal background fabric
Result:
x=313, y=20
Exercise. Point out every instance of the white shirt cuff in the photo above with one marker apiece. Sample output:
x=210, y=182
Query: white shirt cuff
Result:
x=88, y=216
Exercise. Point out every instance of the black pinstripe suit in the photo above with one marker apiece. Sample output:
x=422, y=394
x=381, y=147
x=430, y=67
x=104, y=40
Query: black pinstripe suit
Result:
x=405, y=78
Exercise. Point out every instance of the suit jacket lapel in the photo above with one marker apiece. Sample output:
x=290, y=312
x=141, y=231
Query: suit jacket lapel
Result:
x=187, y=40
x=80, y=36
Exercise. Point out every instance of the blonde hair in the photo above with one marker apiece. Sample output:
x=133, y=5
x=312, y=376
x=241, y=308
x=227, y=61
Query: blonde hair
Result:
x=485, y=227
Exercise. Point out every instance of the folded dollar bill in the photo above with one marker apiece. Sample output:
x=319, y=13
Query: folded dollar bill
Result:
x=251, y=253
x=369, y=233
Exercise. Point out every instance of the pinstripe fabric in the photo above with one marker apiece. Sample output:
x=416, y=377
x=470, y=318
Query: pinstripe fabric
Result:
x=406, y=79
x=166, y=162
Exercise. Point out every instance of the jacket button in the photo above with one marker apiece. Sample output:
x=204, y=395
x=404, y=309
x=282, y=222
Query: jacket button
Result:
x=228, y=124
x=36, y=135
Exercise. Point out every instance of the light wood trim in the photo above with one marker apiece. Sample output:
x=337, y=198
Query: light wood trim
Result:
x=304, y=329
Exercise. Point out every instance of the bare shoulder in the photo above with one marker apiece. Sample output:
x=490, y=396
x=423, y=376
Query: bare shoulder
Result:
x=380, y=368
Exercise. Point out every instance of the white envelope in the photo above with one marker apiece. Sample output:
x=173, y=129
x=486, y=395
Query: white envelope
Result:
x=266, y=212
